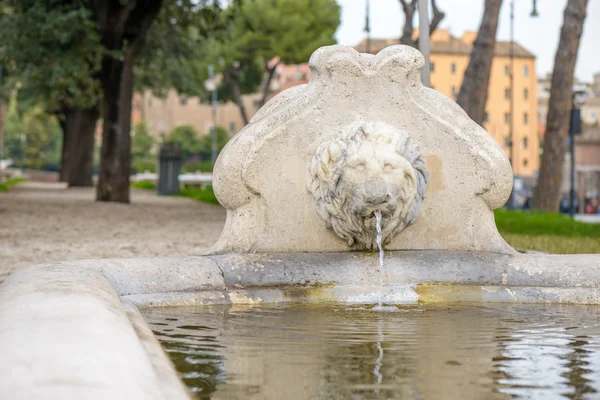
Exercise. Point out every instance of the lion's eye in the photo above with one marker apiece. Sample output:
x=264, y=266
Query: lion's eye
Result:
x=387, y=167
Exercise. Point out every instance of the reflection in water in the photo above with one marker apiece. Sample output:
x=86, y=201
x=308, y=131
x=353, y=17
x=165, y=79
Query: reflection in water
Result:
x=433, y=352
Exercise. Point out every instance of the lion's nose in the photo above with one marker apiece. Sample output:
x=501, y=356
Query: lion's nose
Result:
x=375, y=193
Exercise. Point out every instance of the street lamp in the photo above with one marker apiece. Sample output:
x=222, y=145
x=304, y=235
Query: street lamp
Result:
x=511, y=56
x=211, y=86
x=574, y=129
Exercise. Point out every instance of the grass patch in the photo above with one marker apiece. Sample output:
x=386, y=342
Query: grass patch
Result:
x=550, y=233
x=143, y=185
x=4, y=186
x=205, y=195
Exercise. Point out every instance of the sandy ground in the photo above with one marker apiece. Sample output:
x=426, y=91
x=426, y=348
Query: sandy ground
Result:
x=46, y=222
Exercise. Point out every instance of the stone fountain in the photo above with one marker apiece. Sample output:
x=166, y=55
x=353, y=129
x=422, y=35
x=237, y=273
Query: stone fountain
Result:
x=302, y=184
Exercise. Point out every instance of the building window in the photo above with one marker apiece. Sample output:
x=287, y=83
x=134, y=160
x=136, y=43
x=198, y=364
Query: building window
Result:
x=453, y=68
x=525, y=118
x=232, y=127
x=525, y=94
x=454, y=93
x=525, y=142
x=525, y=162
x=506, y=70
x=431, y=67
x=183, y=100
x=506, y=118
x=525, y=70
x=593, y=116
x=486, y=117
x=507, y=93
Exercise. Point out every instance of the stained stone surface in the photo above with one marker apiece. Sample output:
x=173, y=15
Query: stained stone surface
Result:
x=261, y=176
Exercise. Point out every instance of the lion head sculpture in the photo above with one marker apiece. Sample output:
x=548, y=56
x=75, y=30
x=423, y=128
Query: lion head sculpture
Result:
x=369, y=167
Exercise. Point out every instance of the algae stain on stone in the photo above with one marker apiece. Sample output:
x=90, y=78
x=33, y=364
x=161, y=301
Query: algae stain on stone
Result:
x=436, y=293
x=320, y=292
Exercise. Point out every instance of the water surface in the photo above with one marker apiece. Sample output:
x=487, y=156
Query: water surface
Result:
x=297, y=351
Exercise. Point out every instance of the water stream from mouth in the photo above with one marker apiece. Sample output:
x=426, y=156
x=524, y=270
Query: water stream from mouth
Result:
x=379, y=239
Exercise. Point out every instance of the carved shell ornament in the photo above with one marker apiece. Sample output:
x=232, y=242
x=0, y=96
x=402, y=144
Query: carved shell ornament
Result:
x=370, y=166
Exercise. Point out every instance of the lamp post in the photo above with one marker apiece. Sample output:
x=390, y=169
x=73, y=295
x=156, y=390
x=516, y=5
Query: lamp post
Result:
x=574, y=129
x=211, y=86
x=424, y=41
x=511, y=116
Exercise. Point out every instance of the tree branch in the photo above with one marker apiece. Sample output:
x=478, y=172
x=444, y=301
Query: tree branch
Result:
x=266, y=87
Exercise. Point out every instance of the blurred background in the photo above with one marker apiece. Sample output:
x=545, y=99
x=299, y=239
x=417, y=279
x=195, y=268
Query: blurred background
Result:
x=132, y=101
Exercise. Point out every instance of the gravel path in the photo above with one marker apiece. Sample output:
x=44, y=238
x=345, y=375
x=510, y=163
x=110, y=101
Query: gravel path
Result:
x=46, y=222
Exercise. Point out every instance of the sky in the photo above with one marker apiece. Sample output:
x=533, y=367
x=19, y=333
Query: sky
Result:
x=539, y=35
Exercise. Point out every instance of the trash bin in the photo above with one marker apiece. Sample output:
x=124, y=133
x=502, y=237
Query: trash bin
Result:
x=169, y=165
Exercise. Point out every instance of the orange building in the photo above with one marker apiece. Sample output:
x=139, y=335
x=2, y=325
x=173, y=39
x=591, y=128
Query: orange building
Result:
x=449, y=59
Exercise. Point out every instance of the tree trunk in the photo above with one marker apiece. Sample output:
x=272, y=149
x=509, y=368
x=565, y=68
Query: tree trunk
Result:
x=237, y=93
x=409, y=14
x=267, y=86
x=546, y=195
x=79, y=128
x=474, y=89
x=121, y=25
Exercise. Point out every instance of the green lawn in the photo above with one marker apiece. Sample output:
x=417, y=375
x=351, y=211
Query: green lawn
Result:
x=206, y=195
x=10, y=182
x=143, y=185
x=550, y=233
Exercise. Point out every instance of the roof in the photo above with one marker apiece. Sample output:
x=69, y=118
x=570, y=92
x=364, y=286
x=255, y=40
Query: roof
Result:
x=452, y=46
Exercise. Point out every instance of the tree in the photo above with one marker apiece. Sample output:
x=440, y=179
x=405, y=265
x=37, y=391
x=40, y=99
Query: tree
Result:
x=409, y=8
x=546, y=195
x=474, y=89
x=52, y=48
x=122, y=27
x=265, y=33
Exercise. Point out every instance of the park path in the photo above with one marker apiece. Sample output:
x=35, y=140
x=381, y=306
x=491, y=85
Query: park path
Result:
x=46, y=222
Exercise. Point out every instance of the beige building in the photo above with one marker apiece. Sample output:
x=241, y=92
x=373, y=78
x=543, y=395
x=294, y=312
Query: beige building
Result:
x=164, y=114
x=449, y=59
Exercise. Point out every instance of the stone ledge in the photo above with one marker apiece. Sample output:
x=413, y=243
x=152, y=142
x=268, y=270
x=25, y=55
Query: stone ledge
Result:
x=72, y=329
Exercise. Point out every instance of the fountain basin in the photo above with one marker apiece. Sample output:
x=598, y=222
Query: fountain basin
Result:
x=74, y=329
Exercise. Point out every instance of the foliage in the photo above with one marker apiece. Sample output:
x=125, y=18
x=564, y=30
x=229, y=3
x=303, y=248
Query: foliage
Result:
x=194, y=166
x=205, y=147
x=32, y=140
x=52, y=47
x=186, y=138
x=143, y=185
x=261, y=30
x=206, y=195
x=13, y=130
x=553, y=233
x=4, y=186
x=43, y=136
x=142, y=156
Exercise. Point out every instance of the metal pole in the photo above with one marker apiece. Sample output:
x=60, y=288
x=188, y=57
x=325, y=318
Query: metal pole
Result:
x=211, y=75
x=572, y=150
x=511, y=116
x=424, y=41
x=368, y=27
